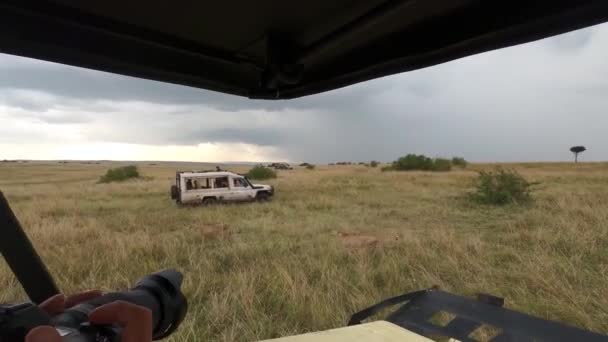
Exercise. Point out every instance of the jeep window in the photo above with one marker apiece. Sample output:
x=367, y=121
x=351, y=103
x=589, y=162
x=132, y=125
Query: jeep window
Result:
x=197, y=183
x=201, y=183
x=220, y=182
x=239, y=183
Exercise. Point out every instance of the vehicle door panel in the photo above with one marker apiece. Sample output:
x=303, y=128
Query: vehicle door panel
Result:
x=238, y=191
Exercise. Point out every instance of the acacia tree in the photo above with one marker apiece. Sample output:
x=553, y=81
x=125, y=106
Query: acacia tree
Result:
x=576, y=150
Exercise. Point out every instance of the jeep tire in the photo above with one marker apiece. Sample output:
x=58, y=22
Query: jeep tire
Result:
x=209, y=200
x=262, y=196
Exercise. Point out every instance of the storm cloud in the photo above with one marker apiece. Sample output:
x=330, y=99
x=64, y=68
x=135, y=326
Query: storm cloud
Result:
x=524, y=103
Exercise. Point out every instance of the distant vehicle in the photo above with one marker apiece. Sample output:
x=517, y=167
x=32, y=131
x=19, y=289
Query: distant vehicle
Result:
x=209, y=187
x=281, y=166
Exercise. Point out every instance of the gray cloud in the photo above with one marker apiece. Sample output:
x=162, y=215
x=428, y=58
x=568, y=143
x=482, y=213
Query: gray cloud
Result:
x=257, y=136
x=529, y=102
x=58, y=117
x=571, y=42
x=75, y=83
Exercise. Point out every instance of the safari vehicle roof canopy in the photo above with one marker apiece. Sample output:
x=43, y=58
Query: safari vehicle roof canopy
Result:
x=274, y=49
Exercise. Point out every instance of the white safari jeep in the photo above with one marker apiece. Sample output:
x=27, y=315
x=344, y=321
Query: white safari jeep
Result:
x=217, y=186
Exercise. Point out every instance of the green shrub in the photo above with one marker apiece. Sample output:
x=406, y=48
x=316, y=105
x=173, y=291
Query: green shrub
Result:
x=373, y=163
x=308, y=166
x=413, y=162
x=440, y=164
x=500, y=187
x=419, y=162
x=261, y=172
x=387, y=168
x=459, y=161
x=120, y=174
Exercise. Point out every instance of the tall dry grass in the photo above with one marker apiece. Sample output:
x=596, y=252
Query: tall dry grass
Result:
x=258, y=271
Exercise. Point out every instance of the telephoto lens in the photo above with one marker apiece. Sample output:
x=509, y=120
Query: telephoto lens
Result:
x=160, y=292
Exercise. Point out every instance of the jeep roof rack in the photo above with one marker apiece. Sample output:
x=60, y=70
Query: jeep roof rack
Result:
x=201, y=171
x=271, y=49
x=420, y=312
x=210, y=171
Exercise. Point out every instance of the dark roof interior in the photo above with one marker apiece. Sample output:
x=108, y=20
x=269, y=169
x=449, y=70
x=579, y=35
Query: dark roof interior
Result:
x=278, y=49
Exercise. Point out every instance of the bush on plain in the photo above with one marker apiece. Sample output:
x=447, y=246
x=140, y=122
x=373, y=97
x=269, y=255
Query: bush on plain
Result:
x=120, y=174
x=261, y=172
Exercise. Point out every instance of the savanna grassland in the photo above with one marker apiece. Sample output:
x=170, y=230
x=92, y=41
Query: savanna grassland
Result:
x=333, y=241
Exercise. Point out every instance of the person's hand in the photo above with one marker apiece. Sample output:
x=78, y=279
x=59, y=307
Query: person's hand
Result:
x=53, y=306
x=135, y=320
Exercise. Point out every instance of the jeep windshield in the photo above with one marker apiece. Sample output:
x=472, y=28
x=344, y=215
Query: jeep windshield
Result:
x=248, y=182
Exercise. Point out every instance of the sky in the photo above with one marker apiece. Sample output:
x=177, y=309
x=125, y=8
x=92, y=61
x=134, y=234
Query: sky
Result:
x=526, y=103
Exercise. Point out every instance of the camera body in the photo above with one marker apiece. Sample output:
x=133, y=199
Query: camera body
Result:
x=160, y=292
x=17, y=320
